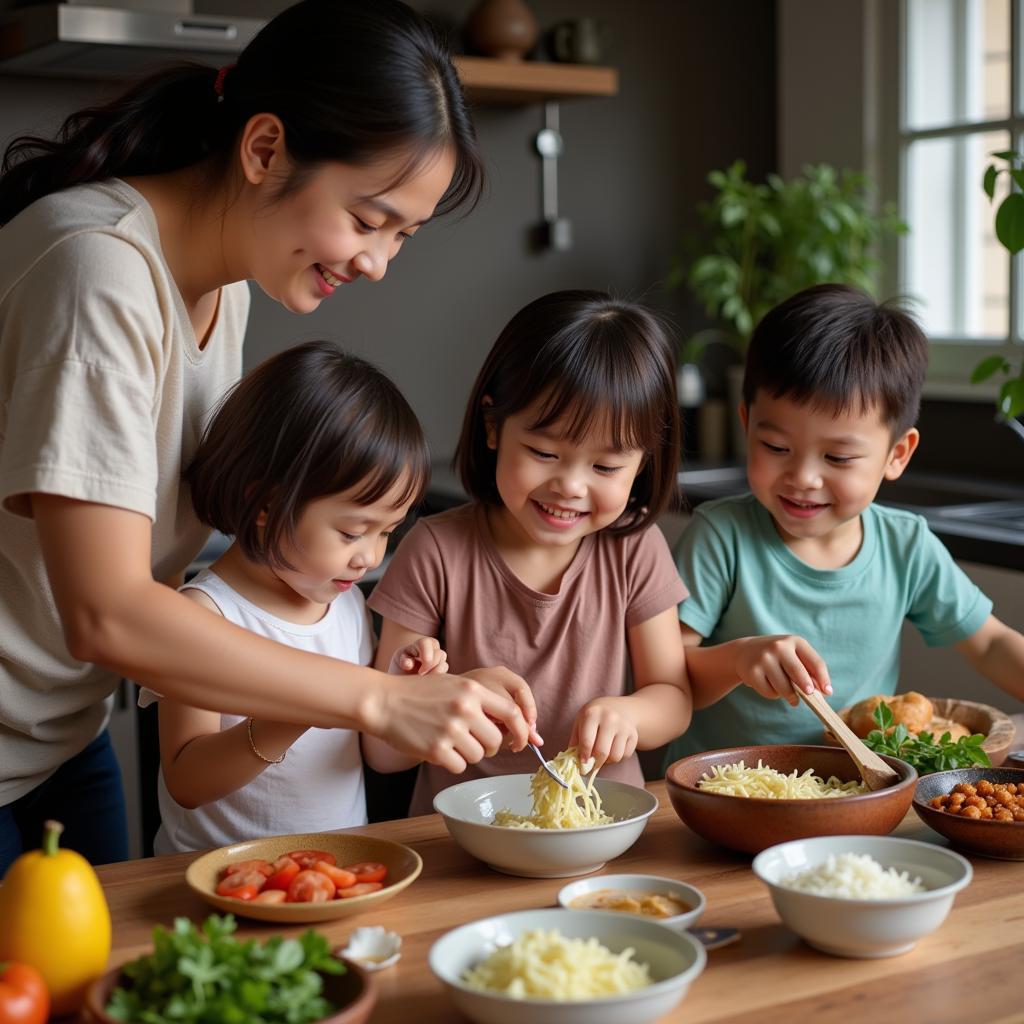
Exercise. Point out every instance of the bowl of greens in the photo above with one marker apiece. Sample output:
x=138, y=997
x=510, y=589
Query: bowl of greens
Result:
x=207, y=974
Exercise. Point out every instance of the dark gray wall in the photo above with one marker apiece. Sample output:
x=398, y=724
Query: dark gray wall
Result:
x=697, y=91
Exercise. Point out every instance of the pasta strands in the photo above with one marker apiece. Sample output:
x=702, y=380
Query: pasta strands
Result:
x=763, y=782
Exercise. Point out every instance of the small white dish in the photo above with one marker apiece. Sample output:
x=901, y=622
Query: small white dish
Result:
x=373, y=948
x=468, y=808
x=675, y=959
x=864, y=928
x=687, y=894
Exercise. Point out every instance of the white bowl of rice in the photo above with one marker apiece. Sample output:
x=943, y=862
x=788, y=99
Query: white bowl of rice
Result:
x=560, y=966
x=862, y=896
x=470, y=808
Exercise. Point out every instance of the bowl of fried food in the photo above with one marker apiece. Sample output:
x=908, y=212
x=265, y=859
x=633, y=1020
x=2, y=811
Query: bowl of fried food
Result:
x=533, y=827
x=750, y=798
x=935, y=717
x=301, y=879
x=979, y=810
x=559, y=966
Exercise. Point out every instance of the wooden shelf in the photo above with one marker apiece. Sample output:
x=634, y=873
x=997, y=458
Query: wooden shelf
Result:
x=505, y=81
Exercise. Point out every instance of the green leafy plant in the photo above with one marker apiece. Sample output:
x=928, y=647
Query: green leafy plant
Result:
x=209, y=976
x=1010, y=232
x=767, y=241
x=923, y=751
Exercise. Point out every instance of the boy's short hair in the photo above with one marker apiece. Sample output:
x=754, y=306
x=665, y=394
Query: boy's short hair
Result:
x=833, y=347
x=309, y=422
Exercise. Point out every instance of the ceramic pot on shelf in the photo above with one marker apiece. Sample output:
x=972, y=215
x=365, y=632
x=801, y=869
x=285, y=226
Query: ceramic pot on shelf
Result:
x=505, y=29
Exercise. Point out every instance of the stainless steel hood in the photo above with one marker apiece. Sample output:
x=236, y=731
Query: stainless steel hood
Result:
x=99, y=39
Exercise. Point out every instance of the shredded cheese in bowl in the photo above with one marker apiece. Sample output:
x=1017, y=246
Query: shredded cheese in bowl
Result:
x=556, y=807
x=542, y=964
x=854, y=876
x=764, y=782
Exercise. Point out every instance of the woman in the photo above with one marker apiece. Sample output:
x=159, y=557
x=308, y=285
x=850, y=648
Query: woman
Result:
x=123, y=252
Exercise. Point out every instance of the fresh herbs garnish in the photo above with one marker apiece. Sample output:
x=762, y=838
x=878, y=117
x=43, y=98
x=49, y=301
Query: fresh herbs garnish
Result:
x=209, y=977
x=923, y=751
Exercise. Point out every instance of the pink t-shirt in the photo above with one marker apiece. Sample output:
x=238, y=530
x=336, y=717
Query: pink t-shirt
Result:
x=448, y=580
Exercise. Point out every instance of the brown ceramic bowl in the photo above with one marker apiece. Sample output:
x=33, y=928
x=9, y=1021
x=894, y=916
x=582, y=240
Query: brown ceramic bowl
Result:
x=753, y=824
x=995, y=725
x=1003, y=840
x=403, y=864
x=352, y=992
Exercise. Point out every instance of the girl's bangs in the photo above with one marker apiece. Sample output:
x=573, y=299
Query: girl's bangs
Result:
x=623, y=414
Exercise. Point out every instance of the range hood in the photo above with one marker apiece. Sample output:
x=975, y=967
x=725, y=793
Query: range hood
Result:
x=104, y=39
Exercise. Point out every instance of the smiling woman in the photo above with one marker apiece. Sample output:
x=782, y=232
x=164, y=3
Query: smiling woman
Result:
x=339, y=131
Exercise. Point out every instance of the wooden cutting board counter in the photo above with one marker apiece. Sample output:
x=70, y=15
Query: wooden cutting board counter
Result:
x=970, y=970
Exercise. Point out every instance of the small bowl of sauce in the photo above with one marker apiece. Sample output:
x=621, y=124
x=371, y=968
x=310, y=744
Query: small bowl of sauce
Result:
x=665, y=900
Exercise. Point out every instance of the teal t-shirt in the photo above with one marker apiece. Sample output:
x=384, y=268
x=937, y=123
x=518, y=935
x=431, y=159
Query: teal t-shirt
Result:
x=744, y=581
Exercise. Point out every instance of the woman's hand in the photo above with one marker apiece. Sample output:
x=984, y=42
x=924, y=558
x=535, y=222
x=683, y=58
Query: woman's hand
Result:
x=606, y=731
x=773, y=665
x=422, y=657
x=501, y=680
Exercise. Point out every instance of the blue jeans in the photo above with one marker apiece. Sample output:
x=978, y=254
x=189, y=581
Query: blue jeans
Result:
x=86, y=796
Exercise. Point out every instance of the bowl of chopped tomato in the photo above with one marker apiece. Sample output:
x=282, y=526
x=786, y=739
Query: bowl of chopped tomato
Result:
x=299, y=879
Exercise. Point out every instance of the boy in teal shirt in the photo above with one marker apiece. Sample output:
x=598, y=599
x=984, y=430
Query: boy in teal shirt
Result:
x=804, y=581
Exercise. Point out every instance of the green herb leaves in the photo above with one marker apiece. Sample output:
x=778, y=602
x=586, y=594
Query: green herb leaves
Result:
x=923, y=751
x=210, y=977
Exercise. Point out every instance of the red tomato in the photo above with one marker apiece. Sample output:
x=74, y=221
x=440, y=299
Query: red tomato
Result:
x=23, y=995
x=368, y=871
x=270, y=896
x=262, y=866
x=361, y=889
x=310, y=887
x=242, y=885
x=341, y=878
x=285, y=869
x=307, y=858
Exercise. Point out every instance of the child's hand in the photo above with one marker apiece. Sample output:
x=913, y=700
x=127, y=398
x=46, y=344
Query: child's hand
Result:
x=605, y=731
x=507, y=683
x=773, y=665
x=421, y=658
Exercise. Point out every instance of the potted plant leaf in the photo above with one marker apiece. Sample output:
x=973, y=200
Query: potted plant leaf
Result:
x=765, y=241
x=1009, y=225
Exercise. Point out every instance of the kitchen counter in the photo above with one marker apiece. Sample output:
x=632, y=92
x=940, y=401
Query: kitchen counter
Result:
x=967, y=970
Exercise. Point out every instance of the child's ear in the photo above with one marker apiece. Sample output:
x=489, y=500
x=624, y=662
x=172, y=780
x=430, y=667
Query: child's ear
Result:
x=900, y=454
x=489, y=425
x=744, y=415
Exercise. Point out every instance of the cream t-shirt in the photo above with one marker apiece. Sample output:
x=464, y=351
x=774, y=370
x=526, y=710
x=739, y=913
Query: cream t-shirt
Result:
x=104, y=393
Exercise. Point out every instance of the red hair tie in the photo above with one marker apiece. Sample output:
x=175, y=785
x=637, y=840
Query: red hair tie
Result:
x=218, y=84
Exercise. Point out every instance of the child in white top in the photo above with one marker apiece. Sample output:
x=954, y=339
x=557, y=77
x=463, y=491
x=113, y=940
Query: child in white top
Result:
x=309, y=464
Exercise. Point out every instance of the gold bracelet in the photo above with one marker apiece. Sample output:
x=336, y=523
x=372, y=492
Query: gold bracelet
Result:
x=255, y=749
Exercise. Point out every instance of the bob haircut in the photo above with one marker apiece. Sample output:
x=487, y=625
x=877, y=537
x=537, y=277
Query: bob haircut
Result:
x=582, y=360
x=306, y=423
x=834, y=348
x=353, y=81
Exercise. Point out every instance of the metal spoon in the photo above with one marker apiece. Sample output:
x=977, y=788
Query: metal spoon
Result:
x=551, y=771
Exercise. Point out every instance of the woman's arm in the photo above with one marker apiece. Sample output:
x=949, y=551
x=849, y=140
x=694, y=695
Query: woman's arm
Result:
x=200, y=761
x=997, y=652
x=115, y=614
x=610, y=729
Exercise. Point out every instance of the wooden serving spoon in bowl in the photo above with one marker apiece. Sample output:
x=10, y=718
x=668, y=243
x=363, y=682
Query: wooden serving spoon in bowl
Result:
x=873, y=770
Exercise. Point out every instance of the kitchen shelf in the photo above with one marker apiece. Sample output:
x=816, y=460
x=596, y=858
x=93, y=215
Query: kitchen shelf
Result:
x=487, y=80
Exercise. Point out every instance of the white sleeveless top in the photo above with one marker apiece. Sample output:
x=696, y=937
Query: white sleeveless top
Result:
x=319, y=785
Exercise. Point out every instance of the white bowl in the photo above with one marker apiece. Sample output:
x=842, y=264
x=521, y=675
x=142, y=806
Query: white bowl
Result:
x=692, y=897
x=674, y=958
x=864, y=928
x=469, y=807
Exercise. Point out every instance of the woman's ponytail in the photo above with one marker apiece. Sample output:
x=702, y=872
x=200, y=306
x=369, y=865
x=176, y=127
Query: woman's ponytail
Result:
x=349, y=79
x=166, y=121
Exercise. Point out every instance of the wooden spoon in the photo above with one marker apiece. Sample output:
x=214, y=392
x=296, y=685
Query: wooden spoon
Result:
x=873, y=770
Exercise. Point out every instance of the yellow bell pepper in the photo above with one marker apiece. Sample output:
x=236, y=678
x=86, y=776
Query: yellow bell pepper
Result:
x=54, y=916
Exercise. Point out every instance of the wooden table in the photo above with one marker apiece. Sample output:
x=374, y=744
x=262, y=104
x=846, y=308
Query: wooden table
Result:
x=970, y=970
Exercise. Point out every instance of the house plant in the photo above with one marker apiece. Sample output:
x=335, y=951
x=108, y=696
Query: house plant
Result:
x=1010, y=232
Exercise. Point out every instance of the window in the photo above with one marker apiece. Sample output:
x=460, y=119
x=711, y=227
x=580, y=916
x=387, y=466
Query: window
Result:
x=960, y=101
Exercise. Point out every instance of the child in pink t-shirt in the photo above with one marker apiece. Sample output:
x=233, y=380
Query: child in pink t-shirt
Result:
x=556, y=570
